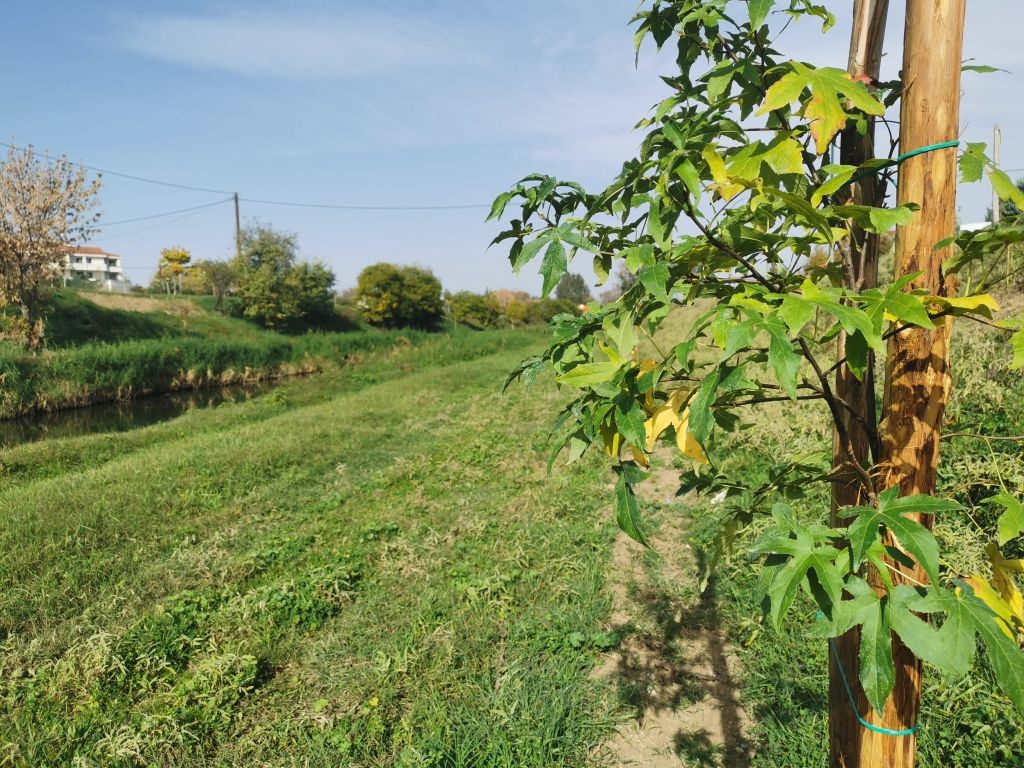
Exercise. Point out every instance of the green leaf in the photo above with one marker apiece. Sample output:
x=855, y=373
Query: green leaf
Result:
x=586, y=374
x=852, y=319
x=884, y=219
x=1017, y=342
x=972, y=162
x=688, y=173
x=701, y=420
x=796, y=313
x=1011, y=522
x=856, y=354
x=621, y=333
x=498, y=206
x=983, y=69
x=1005, y=188
x=655, y=279
x=553, y=266
x=1003, y=653
x=759, y=11
x=841, y=175
x=784, y=362
x=576, y=239
x=529, y=250
x=906, y=307
x=877, y=670
x=629, y=420
x=718, y=80
x=912, y=536
x=950, y=648
x=830, y=87
x=965, y=616
x=655, y=225
x=627, y=510
x=794, y=555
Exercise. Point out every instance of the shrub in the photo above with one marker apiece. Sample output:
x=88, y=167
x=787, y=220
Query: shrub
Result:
x=475, y=310
x=545, y=309
x=392, y=296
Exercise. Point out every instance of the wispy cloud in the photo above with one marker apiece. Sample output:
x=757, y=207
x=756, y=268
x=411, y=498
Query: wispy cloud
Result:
x=294, y=46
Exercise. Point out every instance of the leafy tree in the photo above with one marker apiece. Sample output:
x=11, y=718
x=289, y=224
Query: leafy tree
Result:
x=517, y=312
x=46, y=206
x=739, y=154
x=172, y=268
x=545, y=310
x=312, y=283
x=272, y=287
x=392, y=296
x=216, y=278
x=475, y=309
x=573, y=287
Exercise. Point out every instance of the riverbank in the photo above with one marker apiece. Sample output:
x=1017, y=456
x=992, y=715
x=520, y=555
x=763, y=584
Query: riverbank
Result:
x=101, y=352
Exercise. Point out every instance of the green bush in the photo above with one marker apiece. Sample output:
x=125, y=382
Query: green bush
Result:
x=475, y=310
x=545, y=309
x=392, y=296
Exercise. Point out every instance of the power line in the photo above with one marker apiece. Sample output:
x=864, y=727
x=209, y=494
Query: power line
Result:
x=365, y=207
x=147, y=229
x=268, y=202
x=103, y=225
x=134, y=178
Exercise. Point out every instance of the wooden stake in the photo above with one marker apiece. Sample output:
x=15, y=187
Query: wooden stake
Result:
x=860, y=256
x=917, y=379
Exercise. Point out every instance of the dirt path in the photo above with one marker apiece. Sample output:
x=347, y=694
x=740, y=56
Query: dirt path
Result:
x=675, y=666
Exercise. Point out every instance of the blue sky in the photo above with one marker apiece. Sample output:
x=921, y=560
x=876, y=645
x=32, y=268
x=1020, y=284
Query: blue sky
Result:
x=402, y=103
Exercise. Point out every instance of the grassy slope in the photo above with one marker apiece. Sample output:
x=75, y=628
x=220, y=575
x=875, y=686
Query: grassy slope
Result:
x=105, y=347
x=360, y=573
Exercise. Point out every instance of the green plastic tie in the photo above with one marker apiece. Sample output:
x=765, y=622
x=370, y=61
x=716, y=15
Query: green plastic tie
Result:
x=849, y=692
x=904, y=157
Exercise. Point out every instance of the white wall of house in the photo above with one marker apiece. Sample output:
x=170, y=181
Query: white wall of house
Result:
x=102, y=268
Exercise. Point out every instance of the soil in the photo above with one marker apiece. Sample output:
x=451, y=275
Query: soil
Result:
x=675, y=666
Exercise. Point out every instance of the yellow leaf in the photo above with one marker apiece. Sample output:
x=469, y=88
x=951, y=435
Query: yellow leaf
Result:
x=640, y=457
x=980, y=304
x=990, y=597
x=998, y=561
x=686, y=442
x=1007, y=589
x=647, y=365
x=662, y=418
x=610, y=437
x=726, y=188
x=613, y=354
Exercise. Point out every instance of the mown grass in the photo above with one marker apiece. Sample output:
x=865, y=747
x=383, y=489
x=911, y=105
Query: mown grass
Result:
x=366, y=572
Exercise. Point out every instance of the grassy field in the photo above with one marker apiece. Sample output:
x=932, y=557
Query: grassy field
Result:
x=369, y=569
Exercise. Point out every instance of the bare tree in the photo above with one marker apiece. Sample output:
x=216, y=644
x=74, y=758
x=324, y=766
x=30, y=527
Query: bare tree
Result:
x=46, y=206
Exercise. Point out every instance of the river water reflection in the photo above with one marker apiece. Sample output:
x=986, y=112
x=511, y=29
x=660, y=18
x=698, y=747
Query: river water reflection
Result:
x=121, y=416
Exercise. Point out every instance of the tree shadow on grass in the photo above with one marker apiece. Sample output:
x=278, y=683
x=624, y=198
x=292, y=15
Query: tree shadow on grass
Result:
x=677, y=678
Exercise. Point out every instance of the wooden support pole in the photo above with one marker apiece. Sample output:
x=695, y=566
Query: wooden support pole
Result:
x=860, y=258
x=917, y=379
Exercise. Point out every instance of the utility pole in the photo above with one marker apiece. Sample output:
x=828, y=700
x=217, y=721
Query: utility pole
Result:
x=238, y=229
x=997, y=146
x=917, y=381
x=856, y=148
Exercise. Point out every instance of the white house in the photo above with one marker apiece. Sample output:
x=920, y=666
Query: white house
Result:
x=87, y=262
